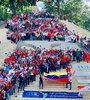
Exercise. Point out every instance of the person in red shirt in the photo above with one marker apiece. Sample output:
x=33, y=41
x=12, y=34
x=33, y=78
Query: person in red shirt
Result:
x=68, y=59
x=11, y=88
x=40, y=14
x=77, y=38
x=14, y=16
x=60, y=16
x=49, y=36
x=68, y=69
x=64, y=62
x=64, y=17
x=34, y=73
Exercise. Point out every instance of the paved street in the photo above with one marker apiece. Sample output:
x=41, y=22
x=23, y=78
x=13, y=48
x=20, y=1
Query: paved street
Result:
x=47, y=45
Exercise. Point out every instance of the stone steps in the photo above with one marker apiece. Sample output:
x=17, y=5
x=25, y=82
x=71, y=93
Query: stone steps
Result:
x=51, y=86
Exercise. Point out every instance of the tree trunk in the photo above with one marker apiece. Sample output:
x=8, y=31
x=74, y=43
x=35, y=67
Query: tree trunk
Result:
x=6, y=13
x=58, y=6
x=13, y=8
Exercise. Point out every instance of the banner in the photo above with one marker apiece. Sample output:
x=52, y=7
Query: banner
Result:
x=84, y=88
x=83, y=80
x=67, y=38
x=50, y=94
x=57, y=76
x=81, y=66
x=82, y=73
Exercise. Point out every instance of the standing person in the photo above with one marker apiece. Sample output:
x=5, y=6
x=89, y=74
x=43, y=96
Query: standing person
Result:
x=7, y=89
x=40, y=82
x=11, y=88
x=68, y=69
x=16, y=88
x=47, y=70
x=32, y=76
x=28, y=74
x=64, y=17
x=81, y=41
x=78, y=55
x=74, y=55
x=34, y=70
x=3, y=95
x=70, y=80
x=64, y=62
x=77, y=38
x=60, y=16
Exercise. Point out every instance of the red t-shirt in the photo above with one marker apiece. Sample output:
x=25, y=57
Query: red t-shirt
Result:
x=34, y=71
x=68, y=58
x=77, y=36
x=10, y=85
x=14, y=16
x=64, y=60
x=64, y=17
x=17, y=73
x=68, y=69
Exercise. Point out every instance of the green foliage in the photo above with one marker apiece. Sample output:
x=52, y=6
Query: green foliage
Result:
x=10, y=7
x=74, y=10
x=86, y=24
x=16, y=6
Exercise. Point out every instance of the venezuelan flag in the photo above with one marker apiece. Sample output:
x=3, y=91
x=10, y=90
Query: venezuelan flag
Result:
x=57, y=76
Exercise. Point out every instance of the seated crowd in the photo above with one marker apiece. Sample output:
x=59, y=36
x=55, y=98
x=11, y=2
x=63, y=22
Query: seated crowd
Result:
x=32, y=26
x=21, y=67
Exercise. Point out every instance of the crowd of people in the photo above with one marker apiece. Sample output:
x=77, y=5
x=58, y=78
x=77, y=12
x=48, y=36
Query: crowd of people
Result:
x=21, y=67
x=38, y=26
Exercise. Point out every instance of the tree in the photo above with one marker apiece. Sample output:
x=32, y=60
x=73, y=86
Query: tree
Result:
x=53, y=5
x=16, y=5
x=86, y=24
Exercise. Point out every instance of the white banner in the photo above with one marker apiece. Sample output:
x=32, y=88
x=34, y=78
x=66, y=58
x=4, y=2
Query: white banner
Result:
x=67, y=38
x=81, y=66
x=84, y=88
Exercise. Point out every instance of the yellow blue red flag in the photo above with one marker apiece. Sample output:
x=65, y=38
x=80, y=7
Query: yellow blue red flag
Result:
x=57, y=76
